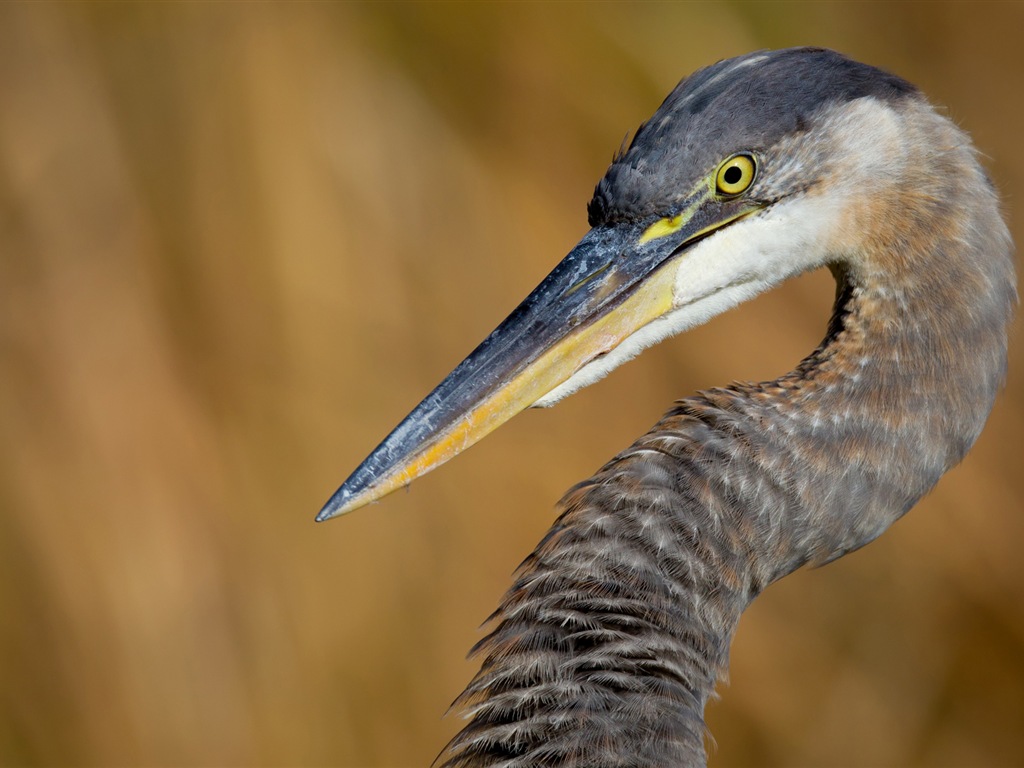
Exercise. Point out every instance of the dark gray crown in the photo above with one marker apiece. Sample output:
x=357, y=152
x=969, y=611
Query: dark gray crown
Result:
x=746, y=103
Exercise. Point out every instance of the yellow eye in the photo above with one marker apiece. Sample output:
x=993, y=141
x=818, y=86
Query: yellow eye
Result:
x=735, y=175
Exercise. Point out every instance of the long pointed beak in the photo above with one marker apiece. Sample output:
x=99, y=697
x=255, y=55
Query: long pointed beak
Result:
x=613, y=283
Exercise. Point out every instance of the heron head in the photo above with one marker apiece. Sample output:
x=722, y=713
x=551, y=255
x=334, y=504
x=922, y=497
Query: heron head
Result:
x=745, y=176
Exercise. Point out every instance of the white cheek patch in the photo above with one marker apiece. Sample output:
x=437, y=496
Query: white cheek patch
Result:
x=764, y=249
x=724, y=270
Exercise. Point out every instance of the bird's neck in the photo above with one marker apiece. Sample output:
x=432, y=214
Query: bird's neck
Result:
x=900, y=388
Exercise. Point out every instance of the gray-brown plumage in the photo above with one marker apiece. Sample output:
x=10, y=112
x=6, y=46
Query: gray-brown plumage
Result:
x=608, y=645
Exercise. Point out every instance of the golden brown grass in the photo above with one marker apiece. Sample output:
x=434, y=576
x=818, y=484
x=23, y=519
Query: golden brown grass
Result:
x=239, y=241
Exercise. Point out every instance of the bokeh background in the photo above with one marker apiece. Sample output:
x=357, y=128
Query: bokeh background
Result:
x=238, y=242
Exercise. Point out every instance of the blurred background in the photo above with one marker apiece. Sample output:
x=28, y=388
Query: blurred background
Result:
x=238, y=242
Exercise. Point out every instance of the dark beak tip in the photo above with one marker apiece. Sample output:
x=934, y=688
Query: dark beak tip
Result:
x=325, y=514
x=334, y=506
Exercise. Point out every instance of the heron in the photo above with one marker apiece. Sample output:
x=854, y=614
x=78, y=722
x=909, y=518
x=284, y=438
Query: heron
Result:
x=608, y=645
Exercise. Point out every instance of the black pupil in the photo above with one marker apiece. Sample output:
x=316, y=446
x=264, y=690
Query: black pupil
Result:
x=732, y=175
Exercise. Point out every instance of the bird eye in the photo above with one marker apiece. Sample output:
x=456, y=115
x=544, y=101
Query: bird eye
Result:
x=735, y=175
